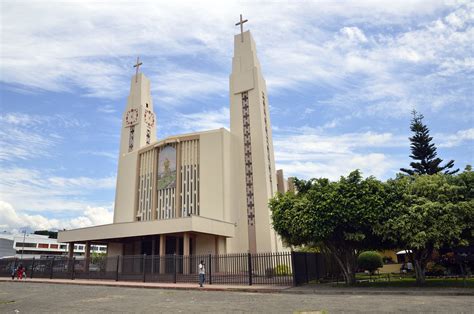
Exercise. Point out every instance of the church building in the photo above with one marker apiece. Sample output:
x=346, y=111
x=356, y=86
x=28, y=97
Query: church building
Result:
x=197, y=193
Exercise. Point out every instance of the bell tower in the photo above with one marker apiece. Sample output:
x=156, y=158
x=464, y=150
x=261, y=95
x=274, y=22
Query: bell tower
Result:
x=138, y=130
x=254, y=162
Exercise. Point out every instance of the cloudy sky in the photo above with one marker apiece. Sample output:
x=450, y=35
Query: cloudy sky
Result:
x=343, y=78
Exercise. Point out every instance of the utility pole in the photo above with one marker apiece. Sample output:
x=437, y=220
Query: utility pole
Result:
x=23, y=246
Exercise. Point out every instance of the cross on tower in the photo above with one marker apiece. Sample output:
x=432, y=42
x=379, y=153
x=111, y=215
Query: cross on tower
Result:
x=137, y=66
x=241, y=23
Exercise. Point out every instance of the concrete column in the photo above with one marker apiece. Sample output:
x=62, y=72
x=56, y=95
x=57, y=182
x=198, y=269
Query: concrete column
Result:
x=71, y=250
x=162, y=253
x=153, y=249
x=87, y=254
x=186, y=259
x=70, y=255
x=216, y=252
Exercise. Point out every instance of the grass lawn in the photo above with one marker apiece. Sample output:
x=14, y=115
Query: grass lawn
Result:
x=409, y=281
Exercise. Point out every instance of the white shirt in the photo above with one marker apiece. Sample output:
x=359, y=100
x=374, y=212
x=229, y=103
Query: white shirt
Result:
x=202, y=269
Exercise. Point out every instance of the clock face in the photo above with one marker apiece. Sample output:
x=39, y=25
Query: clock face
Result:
x=149, y=118
x=131, y=117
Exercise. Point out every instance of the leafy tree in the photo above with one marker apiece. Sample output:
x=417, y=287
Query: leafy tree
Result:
x=369, y=260
x=423, y=150
x=50, y=234
x=336, y=216
x=426, y=212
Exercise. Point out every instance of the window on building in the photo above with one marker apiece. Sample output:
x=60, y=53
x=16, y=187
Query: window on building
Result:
x=102, y=249
x=26, y=244
x=63, y=246
x=53, y=246
x=42, y=245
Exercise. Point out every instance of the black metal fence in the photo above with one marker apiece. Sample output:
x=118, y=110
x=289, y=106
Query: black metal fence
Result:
x=285, y=268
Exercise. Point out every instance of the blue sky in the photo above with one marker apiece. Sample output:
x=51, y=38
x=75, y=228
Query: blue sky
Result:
x=342, y=80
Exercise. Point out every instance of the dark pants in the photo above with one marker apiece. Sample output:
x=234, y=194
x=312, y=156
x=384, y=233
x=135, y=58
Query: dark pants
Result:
x=202, y=278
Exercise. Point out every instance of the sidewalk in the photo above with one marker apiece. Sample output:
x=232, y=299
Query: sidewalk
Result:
x=315, y=289
x=324, y=289
x=153, y=285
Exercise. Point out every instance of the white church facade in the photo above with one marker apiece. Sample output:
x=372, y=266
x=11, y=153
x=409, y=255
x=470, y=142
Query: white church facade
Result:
x=198, y=193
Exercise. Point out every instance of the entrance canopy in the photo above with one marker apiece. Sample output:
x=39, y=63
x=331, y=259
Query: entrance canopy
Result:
x=143, y=228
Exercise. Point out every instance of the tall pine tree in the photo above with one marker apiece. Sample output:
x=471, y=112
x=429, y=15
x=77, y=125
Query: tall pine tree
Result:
x=424, y=151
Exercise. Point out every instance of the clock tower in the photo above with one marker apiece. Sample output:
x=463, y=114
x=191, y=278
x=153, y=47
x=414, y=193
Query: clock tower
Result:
x=138, y=130
x=138, y=120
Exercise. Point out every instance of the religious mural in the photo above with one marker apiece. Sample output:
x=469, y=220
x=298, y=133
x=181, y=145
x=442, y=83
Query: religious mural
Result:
x=167, y=168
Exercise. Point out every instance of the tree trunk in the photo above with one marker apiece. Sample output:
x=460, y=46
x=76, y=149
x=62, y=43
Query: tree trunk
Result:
x=343, y=258
x=420, y=273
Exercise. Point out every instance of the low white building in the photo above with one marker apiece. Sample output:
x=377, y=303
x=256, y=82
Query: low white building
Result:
x=37, y=246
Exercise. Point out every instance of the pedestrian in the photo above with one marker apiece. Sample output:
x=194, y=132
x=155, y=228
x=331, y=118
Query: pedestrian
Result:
x=202, y=273
x=13, y=271
x=19, y=272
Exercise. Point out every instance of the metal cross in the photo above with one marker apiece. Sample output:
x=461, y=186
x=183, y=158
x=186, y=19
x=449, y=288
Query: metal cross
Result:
x=241, y=23
x=137, y=66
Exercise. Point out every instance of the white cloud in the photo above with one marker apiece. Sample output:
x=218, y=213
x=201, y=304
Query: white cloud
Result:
x=25, y=136
x=308, y=153
x=39, y=190
x=334, y=166
x=11, y=219
x=201, y=121
x=452, y=140
x=354, y=34
x=90, y=46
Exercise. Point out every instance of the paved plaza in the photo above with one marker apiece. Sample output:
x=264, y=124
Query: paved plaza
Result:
x=29, y=297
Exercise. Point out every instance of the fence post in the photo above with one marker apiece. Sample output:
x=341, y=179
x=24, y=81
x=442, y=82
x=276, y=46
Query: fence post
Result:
x=117, y=268
x=73, y=274
x=51, y=271
x=250, y=268
x=293, y=270
x=144, y=267
x=210, y=269
x=32, y=268
x=72, y=267
x=174, y=262
x=306, y=266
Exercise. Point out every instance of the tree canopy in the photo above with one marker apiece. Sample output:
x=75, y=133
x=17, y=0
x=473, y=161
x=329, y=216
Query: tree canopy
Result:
x=419, y=213
x=425, y=213
x=336, y=215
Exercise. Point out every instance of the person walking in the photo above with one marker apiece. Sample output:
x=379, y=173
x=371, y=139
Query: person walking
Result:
x=19, y=272
x=202, y=273
x=13, y=269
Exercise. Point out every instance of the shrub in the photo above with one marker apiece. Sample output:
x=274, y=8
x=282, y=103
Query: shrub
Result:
x=370, y=261
x=282, y=270
x=433, y=269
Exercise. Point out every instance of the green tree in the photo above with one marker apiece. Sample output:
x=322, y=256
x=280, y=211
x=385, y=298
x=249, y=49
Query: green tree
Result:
x=50, y=234
x=424, y=150
x=336, y=216
x=426, y=212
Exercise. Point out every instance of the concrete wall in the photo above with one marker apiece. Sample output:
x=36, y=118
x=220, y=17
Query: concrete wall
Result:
x=205, y=244
x=125, y=192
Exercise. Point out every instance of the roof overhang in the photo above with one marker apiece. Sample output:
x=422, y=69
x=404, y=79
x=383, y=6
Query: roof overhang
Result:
x=196, y=224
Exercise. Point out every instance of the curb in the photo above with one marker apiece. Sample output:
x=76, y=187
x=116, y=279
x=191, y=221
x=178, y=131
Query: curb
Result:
x=381, y=292
x=144, y=286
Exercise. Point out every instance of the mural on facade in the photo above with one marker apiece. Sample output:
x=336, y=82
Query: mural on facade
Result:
x=167, y=168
